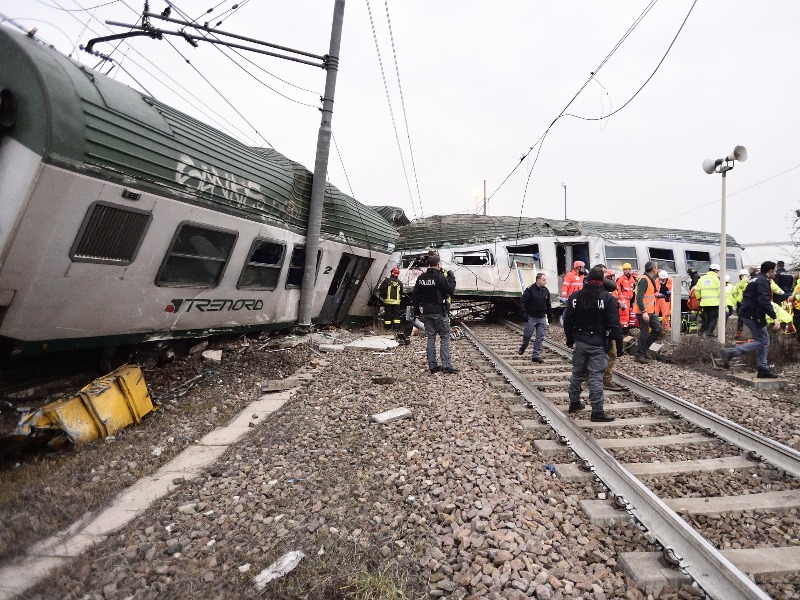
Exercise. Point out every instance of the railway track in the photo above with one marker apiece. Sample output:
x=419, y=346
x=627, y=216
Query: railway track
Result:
x=703, y=470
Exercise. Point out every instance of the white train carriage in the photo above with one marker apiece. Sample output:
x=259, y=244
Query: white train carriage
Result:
x=495, y=258
x=124, y=221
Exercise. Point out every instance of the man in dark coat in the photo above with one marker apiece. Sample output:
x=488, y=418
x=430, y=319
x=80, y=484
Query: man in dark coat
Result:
x=431, y=292
x=534, y=306
x=784, y=279
x=756, y=306
x=592, y=315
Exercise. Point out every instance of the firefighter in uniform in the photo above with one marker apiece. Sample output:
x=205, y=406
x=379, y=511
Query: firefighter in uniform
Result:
x=430, y=294
x=573, y=281
x=626, y=290
x=707, y=291
x=591, y=319
x=664, y=298
x=390, y=292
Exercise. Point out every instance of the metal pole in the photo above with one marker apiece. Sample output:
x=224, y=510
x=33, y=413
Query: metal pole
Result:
x=484, y=197
x=320, y=171
x=675, y=308
x=722, y=265
x=565, y=200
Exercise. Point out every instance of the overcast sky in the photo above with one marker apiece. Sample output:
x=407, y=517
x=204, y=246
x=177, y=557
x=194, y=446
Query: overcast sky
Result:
x=481, y=83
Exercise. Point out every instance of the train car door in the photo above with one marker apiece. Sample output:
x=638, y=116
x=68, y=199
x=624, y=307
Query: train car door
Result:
x=344, y=286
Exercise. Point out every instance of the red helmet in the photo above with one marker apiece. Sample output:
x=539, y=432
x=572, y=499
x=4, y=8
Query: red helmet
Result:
x=395, y=272
x=610, y=273
x=578, y=263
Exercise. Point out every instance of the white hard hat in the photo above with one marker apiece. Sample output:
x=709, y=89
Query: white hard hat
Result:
x=713, y=267
x=662, y=274
x=744, y=272
x=727, y=278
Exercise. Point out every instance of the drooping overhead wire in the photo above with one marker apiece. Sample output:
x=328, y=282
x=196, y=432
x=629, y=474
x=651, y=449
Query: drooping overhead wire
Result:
x=78, y=9
x=403, y=104
x=391, y=110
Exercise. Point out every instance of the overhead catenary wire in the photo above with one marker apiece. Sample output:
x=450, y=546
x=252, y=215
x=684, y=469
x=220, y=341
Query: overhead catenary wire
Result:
x=391, y=110
x=403, y=104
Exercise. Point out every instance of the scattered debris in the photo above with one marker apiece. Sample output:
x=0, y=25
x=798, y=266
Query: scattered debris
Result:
x=373, y=343
x=277, y=385
x=157, y=451
x=383, y=380
x=244, y=568
x=392, y=415
x=99, y=410
x=198, y=347
x=279, y=568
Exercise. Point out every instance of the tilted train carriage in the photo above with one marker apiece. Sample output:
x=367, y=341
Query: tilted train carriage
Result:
x=124, y=221
x=495, y=258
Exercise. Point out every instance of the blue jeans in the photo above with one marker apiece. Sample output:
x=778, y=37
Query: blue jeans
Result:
x=648, y=333
x=760, y=344
x=538, y=325
x=592, y=361
x=438, y=325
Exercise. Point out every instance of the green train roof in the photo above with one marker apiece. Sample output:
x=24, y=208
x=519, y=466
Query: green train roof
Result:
x=460, y=230
x=79, y=119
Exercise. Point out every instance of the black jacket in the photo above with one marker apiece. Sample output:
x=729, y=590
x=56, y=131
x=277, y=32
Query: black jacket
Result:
x=592, y=317
x=431, y=291
x=535, y=302
x=784, y=280
x=757, y=301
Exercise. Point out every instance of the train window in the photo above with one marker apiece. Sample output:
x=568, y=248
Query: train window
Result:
x=263, y=267
x=698, y=260
x=730, y=262
x=616, y=256
x=664, y=257
x=528, y=256
x=297, y=265
x=476, y=258
x=197, y=257
x=110, y=234
x=414, y=261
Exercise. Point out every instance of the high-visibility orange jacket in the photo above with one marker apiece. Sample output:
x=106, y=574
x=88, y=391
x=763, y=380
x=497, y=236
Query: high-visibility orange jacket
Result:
x=648, y=295
x=664, y=304
x=626, y=287
x=572, y=283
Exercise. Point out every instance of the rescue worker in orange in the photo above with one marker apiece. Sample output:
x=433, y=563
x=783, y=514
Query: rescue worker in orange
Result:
x=573, y=281
x=645, y=308
x=664, y=298
x=626, y=290
x=390, y=293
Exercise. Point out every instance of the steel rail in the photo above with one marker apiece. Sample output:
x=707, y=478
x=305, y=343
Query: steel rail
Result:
x=773, y=452
x=714, y=573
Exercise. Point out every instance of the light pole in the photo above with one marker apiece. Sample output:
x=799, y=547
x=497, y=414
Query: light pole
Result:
x=723, y=165
x=564, y=185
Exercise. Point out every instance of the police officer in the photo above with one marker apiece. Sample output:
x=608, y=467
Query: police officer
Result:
x=591, y=319
x=430, y=294
x=390, y=292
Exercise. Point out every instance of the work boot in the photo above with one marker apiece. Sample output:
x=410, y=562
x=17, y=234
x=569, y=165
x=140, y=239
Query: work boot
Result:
x=576, y=407
x=601, y=417
x=650, y=354
x=726, y=358
x=766, y=374
x=522, y=349
x=435, y=370
x=612, y=387
x=451, y=370
x=640, y=359
x=536, y=359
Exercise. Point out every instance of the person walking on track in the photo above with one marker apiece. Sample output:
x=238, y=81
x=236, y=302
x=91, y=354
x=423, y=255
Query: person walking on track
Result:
x=430, y=294
x=590, y=319
x=536, y=312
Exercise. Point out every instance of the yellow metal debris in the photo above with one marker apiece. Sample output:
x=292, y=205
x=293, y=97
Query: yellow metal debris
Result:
x=100, y=409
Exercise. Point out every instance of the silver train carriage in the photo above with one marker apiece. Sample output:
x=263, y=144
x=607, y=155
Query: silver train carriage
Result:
x=495, y=258
x=124, y=221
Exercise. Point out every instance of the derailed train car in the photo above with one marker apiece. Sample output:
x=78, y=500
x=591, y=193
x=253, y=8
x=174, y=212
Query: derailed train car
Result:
x=495, y=258
x=125, y=222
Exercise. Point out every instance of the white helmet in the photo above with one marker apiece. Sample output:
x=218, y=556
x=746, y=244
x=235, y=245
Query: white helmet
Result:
x=662, y=274
x=744, y=272
x=713, y=267
x=727, y=278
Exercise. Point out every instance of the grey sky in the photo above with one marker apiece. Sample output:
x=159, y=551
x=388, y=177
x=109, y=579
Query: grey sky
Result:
x=481, y=83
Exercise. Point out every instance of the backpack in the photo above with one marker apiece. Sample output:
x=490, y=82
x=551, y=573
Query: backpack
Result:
x=693, y=303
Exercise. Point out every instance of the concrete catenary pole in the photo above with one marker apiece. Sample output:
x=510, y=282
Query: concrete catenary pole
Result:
x=320, y=171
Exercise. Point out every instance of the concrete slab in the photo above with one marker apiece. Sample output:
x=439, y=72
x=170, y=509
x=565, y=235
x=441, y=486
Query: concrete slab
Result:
x=331, y=348
x=278, y=385
x=373, y=343
x=614, y=406
x=766, y=562
x=572, y=472
x=602, y=512
x=587, y=424
x=550, y=448
x=719, y=505
x=554, y=395
x=751, y=380
x=392, y=415
x=648, y=573
x=17, y=578
x=224, y=436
